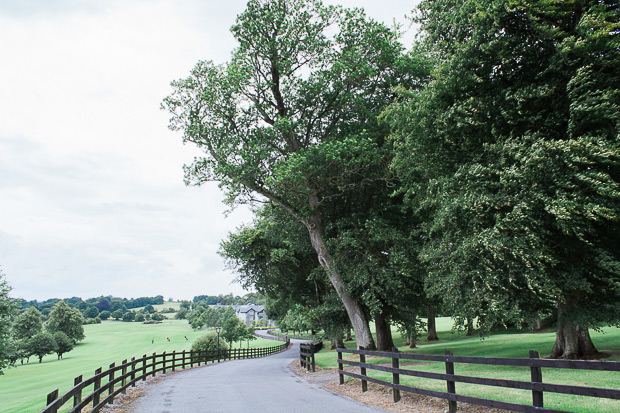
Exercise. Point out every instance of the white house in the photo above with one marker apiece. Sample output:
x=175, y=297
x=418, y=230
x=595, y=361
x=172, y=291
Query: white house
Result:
x=250, y=313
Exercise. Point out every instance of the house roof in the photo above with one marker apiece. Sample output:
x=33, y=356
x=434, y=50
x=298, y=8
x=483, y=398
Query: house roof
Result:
x=247, y=308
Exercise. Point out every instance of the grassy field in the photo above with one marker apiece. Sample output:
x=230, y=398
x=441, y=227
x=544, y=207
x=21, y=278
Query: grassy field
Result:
x=24, y=388
x=510, y=344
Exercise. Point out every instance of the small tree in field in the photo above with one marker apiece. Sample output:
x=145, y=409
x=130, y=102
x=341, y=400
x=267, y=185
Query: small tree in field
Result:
x=63, y=344
x=41, y=345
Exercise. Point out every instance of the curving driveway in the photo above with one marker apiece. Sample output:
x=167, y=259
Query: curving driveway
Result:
x=255, y=385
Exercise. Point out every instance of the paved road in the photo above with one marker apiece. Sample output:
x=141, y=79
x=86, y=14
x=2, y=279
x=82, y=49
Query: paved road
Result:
x=256, y=385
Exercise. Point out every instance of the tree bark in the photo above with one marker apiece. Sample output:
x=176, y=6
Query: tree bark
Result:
x=363, y=336
x=572, y=340
x=431, y=327
x=348, y=336
x=383, y=333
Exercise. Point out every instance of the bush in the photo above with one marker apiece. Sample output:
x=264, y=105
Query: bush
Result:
x=208, y=343
x=104, y=315
x=157, y=317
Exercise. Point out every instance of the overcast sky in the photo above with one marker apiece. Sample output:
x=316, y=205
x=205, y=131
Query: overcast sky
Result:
x=92, y=200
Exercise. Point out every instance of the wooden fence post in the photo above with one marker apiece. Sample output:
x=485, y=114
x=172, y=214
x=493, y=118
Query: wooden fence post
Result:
x=155, y=364
x=340, y=369
x=111, y=381
x=133, y=372
x=77, y=397
x=164, y=361
x=312, y=352
x=124, y=375
x=450, y=383
x=51, y=398
x=96, y=386
x=144, y=367
x=536, y=374
x=174, y=359
x=363, y=370
x=395, y=376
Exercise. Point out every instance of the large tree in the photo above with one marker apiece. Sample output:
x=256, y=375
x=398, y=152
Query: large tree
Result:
x=292, y=117
x=67, y=320
x=27, y=324
x=514, y=152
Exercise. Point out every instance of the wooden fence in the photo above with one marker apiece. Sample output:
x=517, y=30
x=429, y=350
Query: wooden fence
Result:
x=535, y=385
x=306, y=354
x=117, y=379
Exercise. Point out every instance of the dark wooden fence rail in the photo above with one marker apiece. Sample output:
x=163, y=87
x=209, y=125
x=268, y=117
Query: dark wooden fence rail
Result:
x=116, y=379
x=534, y=363
x=306, y=354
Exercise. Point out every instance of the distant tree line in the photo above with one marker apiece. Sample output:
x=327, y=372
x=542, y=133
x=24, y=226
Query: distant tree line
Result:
x=229, y=299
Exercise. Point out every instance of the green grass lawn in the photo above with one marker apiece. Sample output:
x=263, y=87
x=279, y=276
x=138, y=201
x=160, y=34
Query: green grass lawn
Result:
x=508, y=344
x=24, y=388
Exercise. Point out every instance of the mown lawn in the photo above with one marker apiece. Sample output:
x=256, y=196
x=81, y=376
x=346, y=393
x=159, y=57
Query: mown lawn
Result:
x=24, y=388
x=509, y=344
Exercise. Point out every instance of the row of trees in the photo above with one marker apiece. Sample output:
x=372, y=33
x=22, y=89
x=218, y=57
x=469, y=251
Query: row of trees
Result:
x=229, y=299
x=30, y=335
x=91, y=307
x=478, y=172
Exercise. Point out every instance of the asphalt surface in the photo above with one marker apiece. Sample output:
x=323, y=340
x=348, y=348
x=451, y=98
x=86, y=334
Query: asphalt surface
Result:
x=264, y=384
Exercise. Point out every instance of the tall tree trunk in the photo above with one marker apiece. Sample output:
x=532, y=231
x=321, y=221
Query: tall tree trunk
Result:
x=412, y=340
x=384, y=333
x=348, y=336
x=431, y=327
x=363, y=336
x=572, y=340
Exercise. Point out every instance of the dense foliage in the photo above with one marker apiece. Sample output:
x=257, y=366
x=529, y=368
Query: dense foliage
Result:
x=504, y=206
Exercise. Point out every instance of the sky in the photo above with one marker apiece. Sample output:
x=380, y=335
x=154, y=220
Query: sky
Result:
x=92, y=199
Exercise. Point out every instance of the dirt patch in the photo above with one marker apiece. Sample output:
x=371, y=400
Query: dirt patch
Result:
x=380, y=396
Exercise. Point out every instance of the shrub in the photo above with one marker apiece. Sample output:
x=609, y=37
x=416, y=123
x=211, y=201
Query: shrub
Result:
x=208, y=343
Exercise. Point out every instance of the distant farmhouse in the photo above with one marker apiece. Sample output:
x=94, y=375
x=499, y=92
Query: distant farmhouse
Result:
x=252, y=313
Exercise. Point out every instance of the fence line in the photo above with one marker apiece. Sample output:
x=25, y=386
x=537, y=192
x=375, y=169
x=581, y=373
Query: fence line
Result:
x=306, y=354
x=536, y=385
x=134, y=370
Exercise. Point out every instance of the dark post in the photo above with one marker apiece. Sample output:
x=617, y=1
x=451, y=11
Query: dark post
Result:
x=536, y=373
x=312, y=355
x=51, y=398
x=363, y=370
x=217, y=329
x=144, y=367
x=154, y=363
x=133, y=372
x=190, y=360
x=77, y=397
x=174, y=359
x=451, y=385
x=164, y=362
x=340, y=368
x=96, y=386
x=124, y=371
x=111, y=381
x=395, y=376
